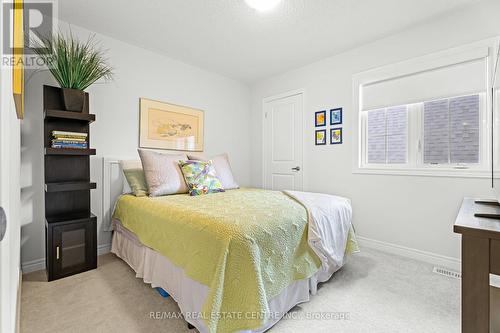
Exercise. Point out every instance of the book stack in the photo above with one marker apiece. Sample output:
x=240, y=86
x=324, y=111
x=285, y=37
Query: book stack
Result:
x=63, y=139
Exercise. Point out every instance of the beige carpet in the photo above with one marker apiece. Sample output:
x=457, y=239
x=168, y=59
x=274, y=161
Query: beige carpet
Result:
x=374, y=292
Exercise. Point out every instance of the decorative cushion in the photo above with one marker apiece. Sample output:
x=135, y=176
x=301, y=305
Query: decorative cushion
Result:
x=162, y=172
x=132, y=169
x=222, y=168
x=197, y=157
x=201, y=177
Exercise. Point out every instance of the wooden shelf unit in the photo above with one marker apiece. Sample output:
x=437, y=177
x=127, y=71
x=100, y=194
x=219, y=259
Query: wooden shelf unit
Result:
x=54, y=115
x=70, y=228
x=68, y=151
x=69, y=186
x=70, y=218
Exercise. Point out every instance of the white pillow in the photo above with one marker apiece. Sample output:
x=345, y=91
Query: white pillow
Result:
x=163, y=173
x=222, y=168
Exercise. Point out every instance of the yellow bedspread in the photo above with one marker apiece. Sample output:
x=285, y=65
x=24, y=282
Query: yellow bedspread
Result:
x=246, y=245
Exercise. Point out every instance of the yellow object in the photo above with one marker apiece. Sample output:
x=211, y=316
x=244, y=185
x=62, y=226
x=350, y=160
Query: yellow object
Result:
x=246, y=245
x=18, y=57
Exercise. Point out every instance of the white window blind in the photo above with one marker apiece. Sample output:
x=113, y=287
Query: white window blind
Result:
x=451, y=130
x=387, y=135
x=426, y=116
x=459, y=79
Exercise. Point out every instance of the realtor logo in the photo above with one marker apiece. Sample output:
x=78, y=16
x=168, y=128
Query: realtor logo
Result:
x=23, y=21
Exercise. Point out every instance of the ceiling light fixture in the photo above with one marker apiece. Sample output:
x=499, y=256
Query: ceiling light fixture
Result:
x=263, y=5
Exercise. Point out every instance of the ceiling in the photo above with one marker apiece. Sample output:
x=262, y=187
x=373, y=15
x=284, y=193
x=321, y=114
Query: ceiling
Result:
x=228, y=37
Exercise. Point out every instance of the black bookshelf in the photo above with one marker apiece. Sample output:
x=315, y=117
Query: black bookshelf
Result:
x=68, y=151
x=70, y=226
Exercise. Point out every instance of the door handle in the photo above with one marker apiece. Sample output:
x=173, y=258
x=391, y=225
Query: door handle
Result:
x=3, y=223
x=297, y=169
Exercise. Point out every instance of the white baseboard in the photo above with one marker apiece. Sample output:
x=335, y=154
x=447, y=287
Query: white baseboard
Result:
x=428, y=257
x=33, y=265
x=18, y=308
x=495, y=281
x=39, y=264
x=103, y=249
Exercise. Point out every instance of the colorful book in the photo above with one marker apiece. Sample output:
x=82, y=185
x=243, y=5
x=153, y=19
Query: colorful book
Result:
x=82, y=145
x=57, y=141
x=70, y=136
x=65, y=133
x=70, y=144
x=64, y=138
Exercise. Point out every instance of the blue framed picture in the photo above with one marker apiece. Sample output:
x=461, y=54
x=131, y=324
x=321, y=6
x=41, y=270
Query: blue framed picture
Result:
x=320, y=137
x=336, y=116
x=336, y=136
x=320, y=118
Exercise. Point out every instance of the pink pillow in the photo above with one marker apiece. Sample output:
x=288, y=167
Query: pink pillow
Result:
x=162, y=172
x=222, y=168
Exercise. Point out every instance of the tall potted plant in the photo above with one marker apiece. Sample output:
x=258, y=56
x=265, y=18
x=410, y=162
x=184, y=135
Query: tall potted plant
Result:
x=74, y=64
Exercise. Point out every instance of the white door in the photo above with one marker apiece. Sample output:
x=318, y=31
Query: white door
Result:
x=283, y=140
x=9, y=201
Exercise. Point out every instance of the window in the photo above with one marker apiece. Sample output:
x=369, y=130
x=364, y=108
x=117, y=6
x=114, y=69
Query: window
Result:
x=436, y=132
x=451, y=131
x=387, y=135
x=444, y=132
x=426, y=116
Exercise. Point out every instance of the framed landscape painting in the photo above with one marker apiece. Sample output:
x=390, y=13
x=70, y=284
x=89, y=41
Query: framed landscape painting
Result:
x=170, y=126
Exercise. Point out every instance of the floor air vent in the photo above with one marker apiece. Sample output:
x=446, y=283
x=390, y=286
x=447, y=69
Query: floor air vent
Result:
x=447, y=272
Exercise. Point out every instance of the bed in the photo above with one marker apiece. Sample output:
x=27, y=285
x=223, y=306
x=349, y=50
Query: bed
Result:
x=235, y=261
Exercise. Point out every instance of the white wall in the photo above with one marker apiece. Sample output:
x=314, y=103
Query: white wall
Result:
x=414, y=212
x=115, y=133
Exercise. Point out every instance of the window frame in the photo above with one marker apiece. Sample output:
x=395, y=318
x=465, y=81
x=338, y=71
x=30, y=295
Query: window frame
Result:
x=415, y=165
x=364, y=138
x=415, y=141
x=484, y=140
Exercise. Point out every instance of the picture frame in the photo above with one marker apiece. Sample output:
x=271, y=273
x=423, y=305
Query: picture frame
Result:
x=18, y=57
x=336, y=116
x=320, y=137
x=170, y=126
x=320, y=118
x=336, y=136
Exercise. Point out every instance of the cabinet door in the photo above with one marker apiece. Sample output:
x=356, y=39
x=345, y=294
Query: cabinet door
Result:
x=73, y=248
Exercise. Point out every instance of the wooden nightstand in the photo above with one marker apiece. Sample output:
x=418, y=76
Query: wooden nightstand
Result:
x=480, y=257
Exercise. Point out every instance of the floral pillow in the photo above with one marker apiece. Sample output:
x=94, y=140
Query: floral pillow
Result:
x=200, y=177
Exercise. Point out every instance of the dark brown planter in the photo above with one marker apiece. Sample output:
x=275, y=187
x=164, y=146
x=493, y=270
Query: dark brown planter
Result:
x=73, y=99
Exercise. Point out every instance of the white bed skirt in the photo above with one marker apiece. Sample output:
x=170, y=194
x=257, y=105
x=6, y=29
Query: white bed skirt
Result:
x=190, y=295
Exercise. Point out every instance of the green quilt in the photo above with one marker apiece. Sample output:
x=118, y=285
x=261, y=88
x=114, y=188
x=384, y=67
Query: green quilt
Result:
x=246, y=245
